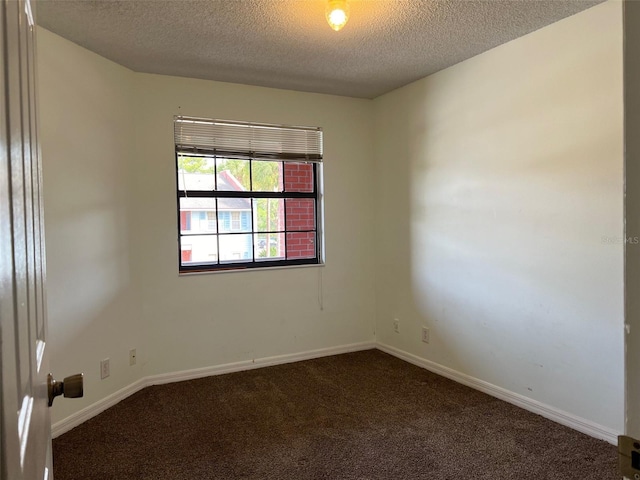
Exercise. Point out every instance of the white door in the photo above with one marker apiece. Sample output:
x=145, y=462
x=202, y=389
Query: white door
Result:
x=25, y=423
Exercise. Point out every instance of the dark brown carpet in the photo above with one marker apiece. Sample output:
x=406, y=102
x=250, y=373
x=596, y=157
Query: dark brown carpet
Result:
x=363, y=415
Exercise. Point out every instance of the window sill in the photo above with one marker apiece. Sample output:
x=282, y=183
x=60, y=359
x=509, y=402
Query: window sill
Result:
x=240, y=270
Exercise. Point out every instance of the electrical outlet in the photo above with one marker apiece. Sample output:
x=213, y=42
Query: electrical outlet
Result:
x=105, y=371
x=425, y=334
x=132, y=356
x=396, y=325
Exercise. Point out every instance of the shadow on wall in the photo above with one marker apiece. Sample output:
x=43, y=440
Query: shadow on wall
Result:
x=92, y=309
x=514, y=188
x=91, y=298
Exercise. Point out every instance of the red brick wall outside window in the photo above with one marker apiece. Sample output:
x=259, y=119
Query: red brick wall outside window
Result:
x=300, y=212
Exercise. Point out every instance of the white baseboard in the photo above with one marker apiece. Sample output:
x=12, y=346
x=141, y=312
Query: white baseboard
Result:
x=100, y=406
x=552, y=413
x=94, y=409
x=256, y=363
x=567, y=419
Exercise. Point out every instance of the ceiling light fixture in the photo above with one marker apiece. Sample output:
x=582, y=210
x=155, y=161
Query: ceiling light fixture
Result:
x=337, y=13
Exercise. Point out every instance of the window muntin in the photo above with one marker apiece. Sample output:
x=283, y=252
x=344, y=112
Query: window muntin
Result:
x=238, y=212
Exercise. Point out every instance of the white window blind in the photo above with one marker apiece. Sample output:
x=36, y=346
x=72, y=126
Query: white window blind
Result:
x=247, y=140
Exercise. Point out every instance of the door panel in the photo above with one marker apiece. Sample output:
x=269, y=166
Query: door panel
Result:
x=26, y=428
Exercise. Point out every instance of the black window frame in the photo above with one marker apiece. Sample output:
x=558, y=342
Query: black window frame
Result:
x=218, y=266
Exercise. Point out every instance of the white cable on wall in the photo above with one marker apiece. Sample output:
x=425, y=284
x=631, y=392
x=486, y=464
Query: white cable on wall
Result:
x=320, y=291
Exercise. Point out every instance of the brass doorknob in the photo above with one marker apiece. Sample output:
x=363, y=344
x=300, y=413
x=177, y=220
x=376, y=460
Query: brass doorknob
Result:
x=71, y=387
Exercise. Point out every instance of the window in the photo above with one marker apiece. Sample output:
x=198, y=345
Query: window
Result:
x=235, y=220
x=211, y=221
x=249, y=195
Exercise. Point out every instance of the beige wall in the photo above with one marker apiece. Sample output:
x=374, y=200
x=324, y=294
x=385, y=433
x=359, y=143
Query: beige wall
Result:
x=94, y=308
x=110, y=211
x=474, y=202
x=212, y=319
x=497, y=180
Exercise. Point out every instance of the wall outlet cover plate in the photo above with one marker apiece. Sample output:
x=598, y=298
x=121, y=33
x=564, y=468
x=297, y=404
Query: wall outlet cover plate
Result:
x=629, y=457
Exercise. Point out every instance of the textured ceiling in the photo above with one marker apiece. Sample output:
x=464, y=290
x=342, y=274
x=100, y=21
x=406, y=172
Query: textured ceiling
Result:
x=287, y=43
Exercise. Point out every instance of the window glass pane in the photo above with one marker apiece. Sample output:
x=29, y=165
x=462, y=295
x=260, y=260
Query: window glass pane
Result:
x=266, y=176
x=301, y=245
x=234, y=214
x=235, y=248
x=195, y=173
x=233, y=175
x=269, y=214
x=275, y=249
x=301, y=214
x=298, y=177
x=195, y=249
x=198, y=215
